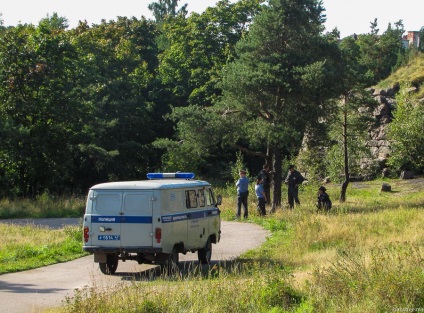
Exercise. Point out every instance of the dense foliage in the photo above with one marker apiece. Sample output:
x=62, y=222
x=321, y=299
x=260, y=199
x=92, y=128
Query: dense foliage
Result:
x=116, y=100
x=407, y=132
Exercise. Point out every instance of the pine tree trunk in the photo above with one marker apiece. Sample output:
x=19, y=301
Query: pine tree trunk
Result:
x=346, y=156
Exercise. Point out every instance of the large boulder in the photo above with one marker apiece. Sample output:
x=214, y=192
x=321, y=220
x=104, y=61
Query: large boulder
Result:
x=407, y=175
x=385, y=187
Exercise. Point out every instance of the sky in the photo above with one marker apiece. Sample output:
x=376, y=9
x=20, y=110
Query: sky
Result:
x=349, y=16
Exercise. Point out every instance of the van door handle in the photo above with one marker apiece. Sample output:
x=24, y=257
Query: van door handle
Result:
x=209, y=212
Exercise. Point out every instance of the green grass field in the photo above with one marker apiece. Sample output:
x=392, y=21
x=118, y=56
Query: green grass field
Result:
x=28, y=246
x=366, y=255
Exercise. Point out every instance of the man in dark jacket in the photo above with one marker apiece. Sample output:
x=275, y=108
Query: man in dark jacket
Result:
x=324, y=201
x=293, y=180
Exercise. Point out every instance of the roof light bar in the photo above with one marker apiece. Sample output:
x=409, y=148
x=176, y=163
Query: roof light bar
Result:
x=170, y=175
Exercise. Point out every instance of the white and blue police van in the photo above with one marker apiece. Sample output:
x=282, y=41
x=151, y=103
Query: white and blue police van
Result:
x=151, y=221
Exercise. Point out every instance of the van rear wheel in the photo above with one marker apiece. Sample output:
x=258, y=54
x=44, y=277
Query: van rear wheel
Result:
x=205, y=254
x=171, y=265
x=109, y=268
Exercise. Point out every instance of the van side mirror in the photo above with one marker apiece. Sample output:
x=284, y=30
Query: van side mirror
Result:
x=219, y=200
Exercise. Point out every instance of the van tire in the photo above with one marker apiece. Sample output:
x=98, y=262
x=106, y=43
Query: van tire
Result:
x=205, y=254
x=171, y=264
x=111, y=265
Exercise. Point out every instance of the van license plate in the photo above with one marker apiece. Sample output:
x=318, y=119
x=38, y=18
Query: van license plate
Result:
x=108, y=237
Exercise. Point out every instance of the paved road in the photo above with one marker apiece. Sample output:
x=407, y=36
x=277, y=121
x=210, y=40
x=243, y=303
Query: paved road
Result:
x=38, y=289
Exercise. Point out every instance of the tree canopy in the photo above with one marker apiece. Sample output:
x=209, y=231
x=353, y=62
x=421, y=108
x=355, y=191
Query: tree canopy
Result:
x=116, y=100
x=279, y=78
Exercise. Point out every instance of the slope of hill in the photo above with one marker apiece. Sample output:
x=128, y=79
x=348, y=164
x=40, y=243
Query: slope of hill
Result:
x=411, y=74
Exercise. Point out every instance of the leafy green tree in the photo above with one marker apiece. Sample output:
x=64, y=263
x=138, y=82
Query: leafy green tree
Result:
x=199, y=47
x=354, y=119
x=280, y=80
x=166, y=8
x=406, y=133
x=190, y=71
x=349, y=129
x=78, y=107
x=54, y=22
x=117, y=61
x=38, y=106
x=380, y=54
x=165, y=11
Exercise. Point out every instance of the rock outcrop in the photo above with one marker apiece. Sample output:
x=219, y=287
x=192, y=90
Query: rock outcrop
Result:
x=378, y=143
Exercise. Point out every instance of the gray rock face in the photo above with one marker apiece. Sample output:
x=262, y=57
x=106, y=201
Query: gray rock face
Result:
x=378, y=142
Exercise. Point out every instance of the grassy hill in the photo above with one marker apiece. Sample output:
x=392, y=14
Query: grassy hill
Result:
x=366, y=255
x=411, y=74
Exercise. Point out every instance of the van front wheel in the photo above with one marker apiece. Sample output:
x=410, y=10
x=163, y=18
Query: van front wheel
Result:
x=205, y=254
x=109, y=268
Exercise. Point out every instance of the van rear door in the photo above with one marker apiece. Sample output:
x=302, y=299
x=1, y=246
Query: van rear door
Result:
x=105, y=218
x=136, y=219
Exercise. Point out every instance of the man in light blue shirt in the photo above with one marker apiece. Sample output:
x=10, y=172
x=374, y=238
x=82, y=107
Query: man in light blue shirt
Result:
x=260, y=194
x=242, y=193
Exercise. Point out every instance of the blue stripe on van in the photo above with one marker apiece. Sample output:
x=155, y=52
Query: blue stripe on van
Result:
x=122, y=219
x=148, y=219
x=188, y=216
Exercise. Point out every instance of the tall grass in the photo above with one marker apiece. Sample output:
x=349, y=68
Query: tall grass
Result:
x=43, y=206
x=380, y=279
x=253, y=288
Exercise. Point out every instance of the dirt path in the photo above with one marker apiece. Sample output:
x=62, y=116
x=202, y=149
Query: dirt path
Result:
x=46, y=287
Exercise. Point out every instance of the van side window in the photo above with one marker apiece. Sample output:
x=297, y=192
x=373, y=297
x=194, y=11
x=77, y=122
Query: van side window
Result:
x=201, y=195
x=191, y=199
x=209, y=197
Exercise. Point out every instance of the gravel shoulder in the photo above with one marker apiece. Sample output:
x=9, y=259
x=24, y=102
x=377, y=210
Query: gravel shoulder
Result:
x=46, y=287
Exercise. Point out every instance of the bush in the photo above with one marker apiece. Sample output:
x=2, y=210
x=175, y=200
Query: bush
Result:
x=406, y=133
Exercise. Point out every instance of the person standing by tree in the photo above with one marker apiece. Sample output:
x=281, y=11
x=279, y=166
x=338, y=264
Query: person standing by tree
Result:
x=260, y=194
x=266, y=182
x=293, y=180
x=242, y=193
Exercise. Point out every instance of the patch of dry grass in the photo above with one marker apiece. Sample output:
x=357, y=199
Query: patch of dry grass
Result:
x=27, y=235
